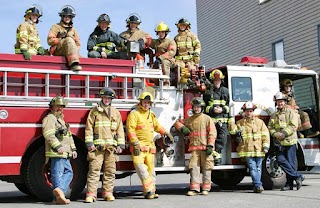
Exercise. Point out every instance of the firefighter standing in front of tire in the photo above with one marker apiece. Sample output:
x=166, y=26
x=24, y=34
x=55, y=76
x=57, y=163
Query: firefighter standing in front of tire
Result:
x=283, y=125
x=28, y=40
x=141, y=125
x=188, y=49
x=202, y=134
x=217, y=107
x=64, y=38
x=59, y=148
x=252, y=136
x=104, y=138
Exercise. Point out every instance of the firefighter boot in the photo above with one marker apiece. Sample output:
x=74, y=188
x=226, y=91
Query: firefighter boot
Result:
x=109, y=198
x=149, y=195
x=60, y=197
x=191, y=193
x=205, y=193
x=310, y=134
x=90, y=199
x=75, y=67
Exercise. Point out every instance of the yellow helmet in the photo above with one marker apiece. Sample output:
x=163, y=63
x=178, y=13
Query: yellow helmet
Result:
x=162, y=27
x=146, y=96
x=216, y=74
x=58, y=100
x=287, y=82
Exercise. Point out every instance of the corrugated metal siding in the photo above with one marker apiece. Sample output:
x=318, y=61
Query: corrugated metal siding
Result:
x=229, y=30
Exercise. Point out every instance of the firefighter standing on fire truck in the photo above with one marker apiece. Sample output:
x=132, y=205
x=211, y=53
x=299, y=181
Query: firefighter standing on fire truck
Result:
x=217, y=107
x=188, y=49
x=102, y=41
x=283, y=126
x=104, y=138
x=165, y=49
x=304, y=124
x=28, y=41
x=252, y=136
x=202, y=134
x=141, y=125
x=64, y=38
x=133, y=33
x=59, y=148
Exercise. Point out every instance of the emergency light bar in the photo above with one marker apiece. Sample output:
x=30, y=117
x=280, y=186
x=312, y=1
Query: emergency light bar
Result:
x=252, y=60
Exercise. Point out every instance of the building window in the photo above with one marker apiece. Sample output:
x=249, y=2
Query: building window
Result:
x=278, y=50
x=241, y=89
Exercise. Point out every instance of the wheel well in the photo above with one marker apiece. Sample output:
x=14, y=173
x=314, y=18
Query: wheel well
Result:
x=300, y=158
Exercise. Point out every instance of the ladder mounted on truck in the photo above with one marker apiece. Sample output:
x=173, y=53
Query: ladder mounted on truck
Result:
x=40, y=85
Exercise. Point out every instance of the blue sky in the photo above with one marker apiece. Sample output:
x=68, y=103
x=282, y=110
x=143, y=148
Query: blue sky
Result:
x=150, y=11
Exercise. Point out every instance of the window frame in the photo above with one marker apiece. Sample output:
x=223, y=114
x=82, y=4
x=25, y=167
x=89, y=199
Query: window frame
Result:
x=274, y=49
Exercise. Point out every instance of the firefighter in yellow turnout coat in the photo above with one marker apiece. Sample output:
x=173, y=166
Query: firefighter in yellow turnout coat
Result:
x=252, y=136
x=202, y=134
x=59, y=148
x=28, y=41
x=141, y=125
x=104, y=138
x=64, y=38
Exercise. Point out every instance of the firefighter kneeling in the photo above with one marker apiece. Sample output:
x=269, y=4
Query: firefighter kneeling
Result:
x=104, y=139
x=202, y=134
x=141, y=125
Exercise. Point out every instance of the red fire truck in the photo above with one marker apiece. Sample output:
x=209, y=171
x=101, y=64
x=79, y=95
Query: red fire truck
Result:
x=26, y=87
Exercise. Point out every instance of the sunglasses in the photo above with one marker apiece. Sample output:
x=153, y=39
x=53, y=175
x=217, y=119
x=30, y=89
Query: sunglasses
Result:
x=67, y=16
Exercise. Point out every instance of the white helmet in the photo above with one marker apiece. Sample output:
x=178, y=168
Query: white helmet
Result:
x=279, y=96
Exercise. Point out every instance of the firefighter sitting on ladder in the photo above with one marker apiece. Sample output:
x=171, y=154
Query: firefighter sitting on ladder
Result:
x=165, y=49
x=217, y=107
x=104, y=139
x=304, y=122
x=202, y=134
x=141, y=125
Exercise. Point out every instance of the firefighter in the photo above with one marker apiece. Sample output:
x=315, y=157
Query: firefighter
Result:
x=64, y=38
x=304, y=124
x=28, y=40
x=133, y=33
x=283, y=126
x=202, y=134
x=252, y=136
x=104, y=138
x=59, y=148
x=165, y=49
x=141, y=125
x=217, y=107
x=102, y=41
x=188, y=48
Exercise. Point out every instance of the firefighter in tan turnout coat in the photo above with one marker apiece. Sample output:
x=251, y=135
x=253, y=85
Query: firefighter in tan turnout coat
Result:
x=59, y=148
x=104, y=138
x=202, y=134
x=64, y=38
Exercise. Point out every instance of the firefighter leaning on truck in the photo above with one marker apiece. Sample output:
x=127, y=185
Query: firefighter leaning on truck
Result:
x=252, y=136
x=217, y=107
x=59, y=148
x=64, y=38
x=104, y=138
x=28, y=40
x=202, y=134
x=141, y=124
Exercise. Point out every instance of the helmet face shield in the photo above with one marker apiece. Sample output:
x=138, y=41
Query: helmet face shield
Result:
x=67, y=10
x=133, y=18
x=104, y=17
x=34, y=9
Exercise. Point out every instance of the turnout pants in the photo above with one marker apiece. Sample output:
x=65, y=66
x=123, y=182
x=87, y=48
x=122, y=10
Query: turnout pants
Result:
x=67, y=47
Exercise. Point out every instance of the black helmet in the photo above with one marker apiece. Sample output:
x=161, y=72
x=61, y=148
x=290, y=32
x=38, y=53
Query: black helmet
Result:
x=67, y=10
x=183, y=21
x=133, y=18
x=104, y=17
x=198, y=101
x=107, y=92
x=34, y=9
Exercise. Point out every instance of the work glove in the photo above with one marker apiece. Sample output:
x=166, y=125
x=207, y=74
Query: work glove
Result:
x=171, y=139
x=185, y=130
x=209, y=150
x=41, y=51
x=136, y=149
x=26, y=54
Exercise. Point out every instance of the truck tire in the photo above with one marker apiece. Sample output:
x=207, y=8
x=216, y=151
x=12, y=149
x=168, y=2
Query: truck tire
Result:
x=38, y=179
x=227, y=177
x=272, y=175
x=23, y=188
